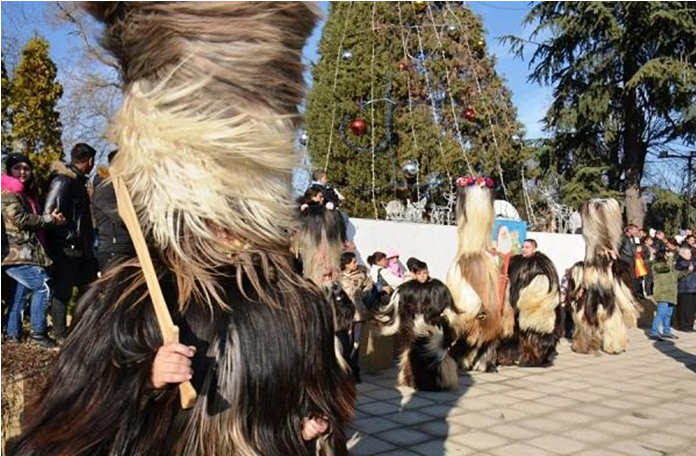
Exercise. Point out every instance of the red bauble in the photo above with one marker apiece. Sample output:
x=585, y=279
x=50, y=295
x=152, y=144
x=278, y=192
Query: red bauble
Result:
x=358, y=127
x=403, y=66
x=470, y=114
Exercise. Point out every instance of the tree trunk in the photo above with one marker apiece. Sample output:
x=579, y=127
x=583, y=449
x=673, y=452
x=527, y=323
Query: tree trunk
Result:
x=635, y=210
x=634, y=148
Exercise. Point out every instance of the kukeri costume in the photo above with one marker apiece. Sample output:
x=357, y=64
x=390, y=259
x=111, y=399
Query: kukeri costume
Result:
x=604, y=305
x=480, y=318
x=416, y=313
x=205, y=139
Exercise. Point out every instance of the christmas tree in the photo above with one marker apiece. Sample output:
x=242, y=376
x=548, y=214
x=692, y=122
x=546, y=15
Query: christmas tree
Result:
x=405, y=99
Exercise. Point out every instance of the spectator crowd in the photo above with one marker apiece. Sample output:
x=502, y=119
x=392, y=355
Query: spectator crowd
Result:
x=51, y=242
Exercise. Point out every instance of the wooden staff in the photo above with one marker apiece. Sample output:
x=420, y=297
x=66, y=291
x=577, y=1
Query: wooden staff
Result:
x=170, y=332
x=504, y=248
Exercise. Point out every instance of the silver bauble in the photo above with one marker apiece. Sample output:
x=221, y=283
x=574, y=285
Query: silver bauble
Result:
x=304, y=138
x=410, y=169
x=434, y=180
x=347, y=54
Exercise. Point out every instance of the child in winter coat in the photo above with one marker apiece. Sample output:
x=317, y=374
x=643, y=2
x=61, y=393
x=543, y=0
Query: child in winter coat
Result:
x=665, y=279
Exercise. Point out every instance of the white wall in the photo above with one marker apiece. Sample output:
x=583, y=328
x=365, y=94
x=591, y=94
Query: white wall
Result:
x=437, y=244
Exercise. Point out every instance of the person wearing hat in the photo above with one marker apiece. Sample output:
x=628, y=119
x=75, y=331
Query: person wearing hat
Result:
x=26, y=260
x=393, y=263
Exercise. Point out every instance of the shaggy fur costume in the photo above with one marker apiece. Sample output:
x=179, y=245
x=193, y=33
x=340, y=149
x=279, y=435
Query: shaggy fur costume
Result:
x=603, y=305
x=205, y=139
x=416, y=312
x=534, y=295
x=320, y=242
x=473, y=279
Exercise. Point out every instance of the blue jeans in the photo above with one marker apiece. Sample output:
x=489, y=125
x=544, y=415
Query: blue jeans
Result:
x=662, y=317
x=30, y=279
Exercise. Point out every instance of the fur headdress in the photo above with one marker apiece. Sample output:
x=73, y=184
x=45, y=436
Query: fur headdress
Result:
x=205, y=134
x=601, y=227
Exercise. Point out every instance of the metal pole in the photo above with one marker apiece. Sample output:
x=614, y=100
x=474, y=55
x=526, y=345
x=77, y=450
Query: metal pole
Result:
x=688, y=191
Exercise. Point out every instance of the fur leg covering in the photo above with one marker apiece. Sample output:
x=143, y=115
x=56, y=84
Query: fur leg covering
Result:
x=586, y=337
x=614, y=335
x=426, y=364
x=539, y=322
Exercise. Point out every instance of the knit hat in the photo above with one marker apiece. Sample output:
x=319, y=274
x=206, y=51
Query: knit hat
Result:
x=391, y=253
x=15, y=158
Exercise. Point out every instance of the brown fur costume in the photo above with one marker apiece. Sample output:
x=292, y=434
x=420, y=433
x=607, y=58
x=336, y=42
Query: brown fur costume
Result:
x=320, y=241
x=205, y=139
x=473, y=280
x=604, y=305
x=416, y=312
x=534, y=295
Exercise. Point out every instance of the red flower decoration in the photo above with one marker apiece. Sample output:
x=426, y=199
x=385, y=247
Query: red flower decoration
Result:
x=469, y=181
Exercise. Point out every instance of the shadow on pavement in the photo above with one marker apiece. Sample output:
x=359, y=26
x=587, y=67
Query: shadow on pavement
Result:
x=402, y=420
x=668, y=348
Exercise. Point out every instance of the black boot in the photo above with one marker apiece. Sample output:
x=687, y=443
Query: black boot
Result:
x=59, y=312
x=43, y=340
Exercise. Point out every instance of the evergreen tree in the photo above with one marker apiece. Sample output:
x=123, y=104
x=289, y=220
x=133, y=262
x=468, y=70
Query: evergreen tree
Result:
x=624, y=83
x=36, y=127
x=666, y=211
x=405, y=99
x=6, y=122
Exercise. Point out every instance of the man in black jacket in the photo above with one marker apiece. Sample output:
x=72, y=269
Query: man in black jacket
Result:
x=627, y=249
x=70, y=246
x=114, y=241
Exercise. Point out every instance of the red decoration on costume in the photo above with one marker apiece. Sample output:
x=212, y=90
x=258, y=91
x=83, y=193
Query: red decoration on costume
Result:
x=358, y=127
x=469, y=181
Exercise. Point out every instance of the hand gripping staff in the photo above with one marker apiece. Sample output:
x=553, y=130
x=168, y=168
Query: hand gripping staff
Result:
x=170, y=332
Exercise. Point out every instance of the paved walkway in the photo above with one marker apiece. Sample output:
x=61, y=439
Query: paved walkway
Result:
x=640, y=403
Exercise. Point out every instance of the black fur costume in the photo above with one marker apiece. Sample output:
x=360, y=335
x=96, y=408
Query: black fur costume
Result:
x=205, y=138
x=416, y=313
x=256, y=371
x=534, y=295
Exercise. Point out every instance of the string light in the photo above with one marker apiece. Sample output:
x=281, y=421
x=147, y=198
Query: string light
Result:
x=335, y=84
x=483, y=102
x=372, y=109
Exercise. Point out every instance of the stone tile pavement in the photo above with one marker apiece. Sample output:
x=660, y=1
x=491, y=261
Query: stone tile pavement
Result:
x=639, y=403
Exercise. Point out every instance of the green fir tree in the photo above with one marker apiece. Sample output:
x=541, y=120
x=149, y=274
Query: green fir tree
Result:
x=624, y=79
x=400, y=84
x=36, y=127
